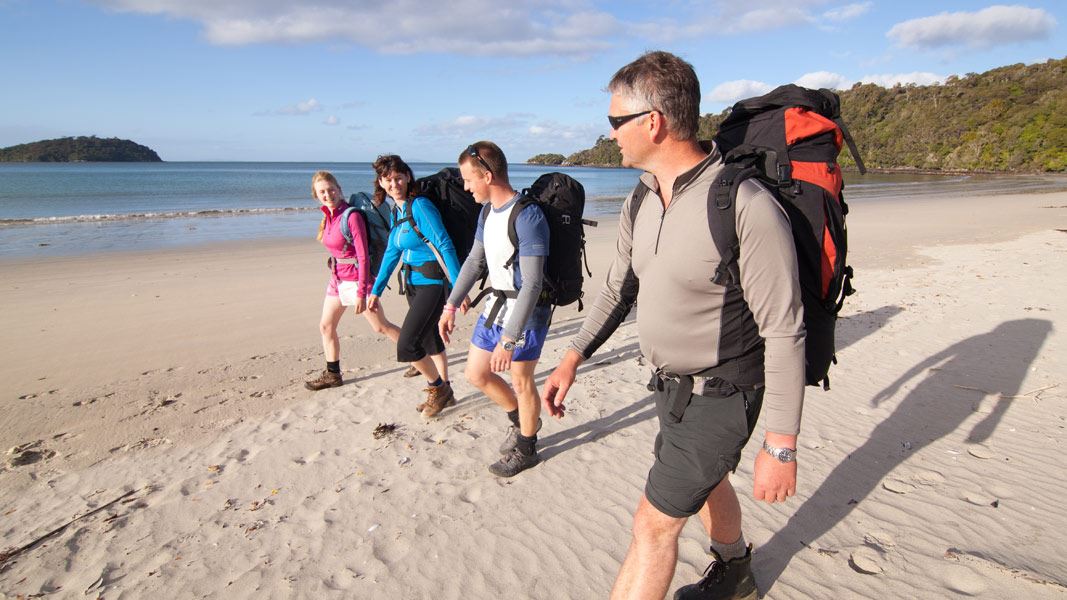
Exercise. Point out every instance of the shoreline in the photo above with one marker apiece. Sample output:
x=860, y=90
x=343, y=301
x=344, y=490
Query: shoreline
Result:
x=176, y=376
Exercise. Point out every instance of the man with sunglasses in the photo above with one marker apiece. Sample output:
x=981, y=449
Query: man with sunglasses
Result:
x=719, y=351
x=511, y=331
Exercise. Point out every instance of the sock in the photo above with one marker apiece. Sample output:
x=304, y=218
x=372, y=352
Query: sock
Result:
x=728, y=552
x=436, y=383
x=333, y=366
x=514, y=416
x=527, y=445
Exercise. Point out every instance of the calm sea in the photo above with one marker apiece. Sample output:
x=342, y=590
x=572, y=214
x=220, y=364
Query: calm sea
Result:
x=54, y=209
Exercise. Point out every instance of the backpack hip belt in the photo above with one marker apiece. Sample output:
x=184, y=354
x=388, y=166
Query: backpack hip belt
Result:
x=744, y=373
x=430, y=270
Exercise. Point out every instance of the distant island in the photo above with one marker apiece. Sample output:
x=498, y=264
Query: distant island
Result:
x=80, y=149
x=1011, y=119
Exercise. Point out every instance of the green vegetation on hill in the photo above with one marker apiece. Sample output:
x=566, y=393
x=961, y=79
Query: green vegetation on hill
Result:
x=1011, y=119
x=80, y=149
x=605, y=153
x=546, y=159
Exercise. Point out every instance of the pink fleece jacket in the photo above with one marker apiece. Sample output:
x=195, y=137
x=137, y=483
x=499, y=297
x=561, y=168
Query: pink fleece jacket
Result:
x=335, y=243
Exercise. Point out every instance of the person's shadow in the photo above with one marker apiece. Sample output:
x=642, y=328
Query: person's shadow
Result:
x=993, y=362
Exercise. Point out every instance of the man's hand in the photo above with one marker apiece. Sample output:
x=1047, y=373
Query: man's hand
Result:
x=501, y=358
x=446, y=325
x=559, y=383
x=372, y=302
x=360, y=305
x=774, y=481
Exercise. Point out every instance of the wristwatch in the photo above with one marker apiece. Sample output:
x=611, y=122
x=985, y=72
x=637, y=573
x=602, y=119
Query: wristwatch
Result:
x=508, y=346
x=784, y=455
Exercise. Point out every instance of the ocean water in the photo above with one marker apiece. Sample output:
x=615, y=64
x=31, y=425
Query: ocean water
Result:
x=64, y=209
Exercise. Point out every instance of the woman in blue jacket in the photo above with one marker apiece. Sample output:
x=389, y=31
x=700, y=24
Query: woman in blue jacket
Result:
x=417, y=230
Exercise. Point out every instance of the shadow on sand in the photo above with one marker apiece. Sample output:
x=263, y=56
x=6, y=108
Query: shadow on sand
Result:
x=996, y=361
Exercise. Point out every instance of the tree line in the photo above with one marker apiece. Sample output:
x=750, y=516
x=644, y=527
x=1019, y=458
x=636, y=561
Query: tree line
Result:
x=1009, y=119
x=80, y=149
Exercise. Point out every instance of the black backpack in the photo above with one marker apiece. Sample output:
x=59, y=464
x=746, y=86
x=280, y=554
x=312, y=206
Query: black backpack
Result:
x=789, y=140
x=562, y=200
x=459, y=211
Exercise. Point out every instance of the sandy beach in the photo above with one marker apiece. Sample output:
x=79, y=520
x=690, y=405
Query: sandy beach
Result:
x=158, y=440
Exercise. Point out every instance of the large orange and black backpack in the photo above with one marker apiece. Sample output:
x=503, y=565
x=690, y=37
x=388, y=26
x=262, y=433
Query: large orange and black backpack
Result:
x=789, y=140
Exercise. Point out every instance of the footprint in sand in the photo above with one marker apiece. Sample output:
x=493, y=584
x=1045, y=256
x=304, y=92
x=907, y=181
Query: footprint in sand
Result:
x=867, y=561
x=962, y=579
x=28, y=453
x=471, y=495
x=928, y=478
x=981, y=451
x=898, y=486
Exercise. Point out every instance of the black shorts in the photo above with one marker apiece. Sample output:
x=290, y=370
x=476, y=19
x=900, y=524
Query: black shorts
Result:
x=418, y=334
x=695, y=453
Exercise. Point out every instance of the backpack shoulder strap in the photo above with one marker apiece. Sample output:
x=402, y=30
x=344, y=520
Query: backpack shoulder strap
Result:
x=409, y=217
x=346, y=230
x=722, y=220
x=638, y=196
x=513, y=233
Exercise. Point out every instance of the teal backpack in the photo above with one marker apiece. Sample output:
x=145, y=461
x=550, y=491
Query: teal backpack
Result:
x=374, y=221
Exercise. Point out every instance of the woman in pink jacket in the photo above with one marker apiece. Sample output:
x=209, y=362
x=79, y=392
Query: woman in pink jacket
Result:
x=349, y=265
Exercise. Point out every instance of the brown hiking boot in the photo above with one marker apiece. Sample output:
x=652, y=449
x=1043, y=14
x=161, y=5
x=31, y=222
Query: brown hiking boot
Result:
x=326, y=380
x=437, y=398
x=411, y=372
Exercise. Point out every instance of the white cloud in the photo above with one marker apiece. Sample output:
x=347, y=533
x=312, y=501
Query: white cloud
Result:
x=470, y=27
x=917, y=78
x=824, y=79
x=332, y=120
x=992, y=26
x=300, y=108
x=847, y=12
x=728, y=17
x=732, y=91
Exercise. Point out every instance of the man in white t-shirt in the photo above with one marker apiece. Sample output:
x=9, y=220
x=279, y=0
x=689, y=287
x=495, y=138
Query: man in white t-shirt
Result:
x=511, y=245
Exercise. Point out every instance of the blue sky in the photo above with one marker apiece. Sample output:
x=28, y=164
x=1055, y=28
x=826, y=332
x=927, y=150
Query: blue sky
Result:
x=334, y=80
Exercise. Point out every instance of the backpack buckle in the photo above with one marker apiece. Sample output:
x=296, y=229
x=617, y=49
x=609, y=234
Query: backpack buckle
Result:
x=785, y=175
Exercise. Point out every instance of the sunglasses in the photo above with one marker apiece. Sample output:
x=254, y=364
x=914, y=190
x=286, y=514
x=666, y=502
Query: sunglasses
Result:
x=617, y=122
x=472, y=151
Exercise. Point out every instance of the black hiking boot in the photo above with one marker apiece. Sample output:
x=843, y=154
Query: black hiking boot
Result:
x=723, y=580
x=326, y=380
x=511, y=439
x=513, y=463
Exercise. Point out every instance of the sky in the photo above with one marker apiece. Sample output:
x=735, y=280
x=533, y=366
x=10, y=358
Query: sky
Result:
x=345, y=81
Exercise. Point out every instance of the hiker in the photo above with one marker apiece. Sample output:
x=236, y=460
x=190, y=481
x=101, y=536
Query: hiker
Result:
x=718, y=354
x=349, y=266
x=511, y=331
x=422, y=278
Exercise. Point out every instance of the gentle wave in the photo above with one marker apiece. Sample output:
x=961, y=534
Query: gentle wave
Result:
x=232, y=212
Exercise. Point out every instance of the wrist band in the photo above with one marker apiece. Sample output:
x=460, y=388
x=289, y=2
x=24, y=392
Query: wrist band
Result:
x=449, y=308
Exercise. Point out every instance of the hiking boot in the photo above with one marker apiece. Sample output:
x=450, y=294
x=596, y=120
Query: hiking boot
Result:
x=411, y=372
x=437, y=398
x=512, y=438
x=723, y=580
x=513, y=463
x=326, y=380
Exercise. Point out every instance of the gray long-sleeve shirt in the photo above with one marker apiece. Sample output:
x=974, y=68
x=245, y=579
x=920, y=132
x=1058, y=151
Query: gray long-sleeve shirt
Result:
x=665, y=263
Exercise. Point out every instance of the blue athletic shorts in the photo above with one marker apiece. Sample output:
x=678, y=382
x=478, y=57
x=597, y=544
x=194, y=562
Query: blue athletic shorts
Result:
x=527, y=347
